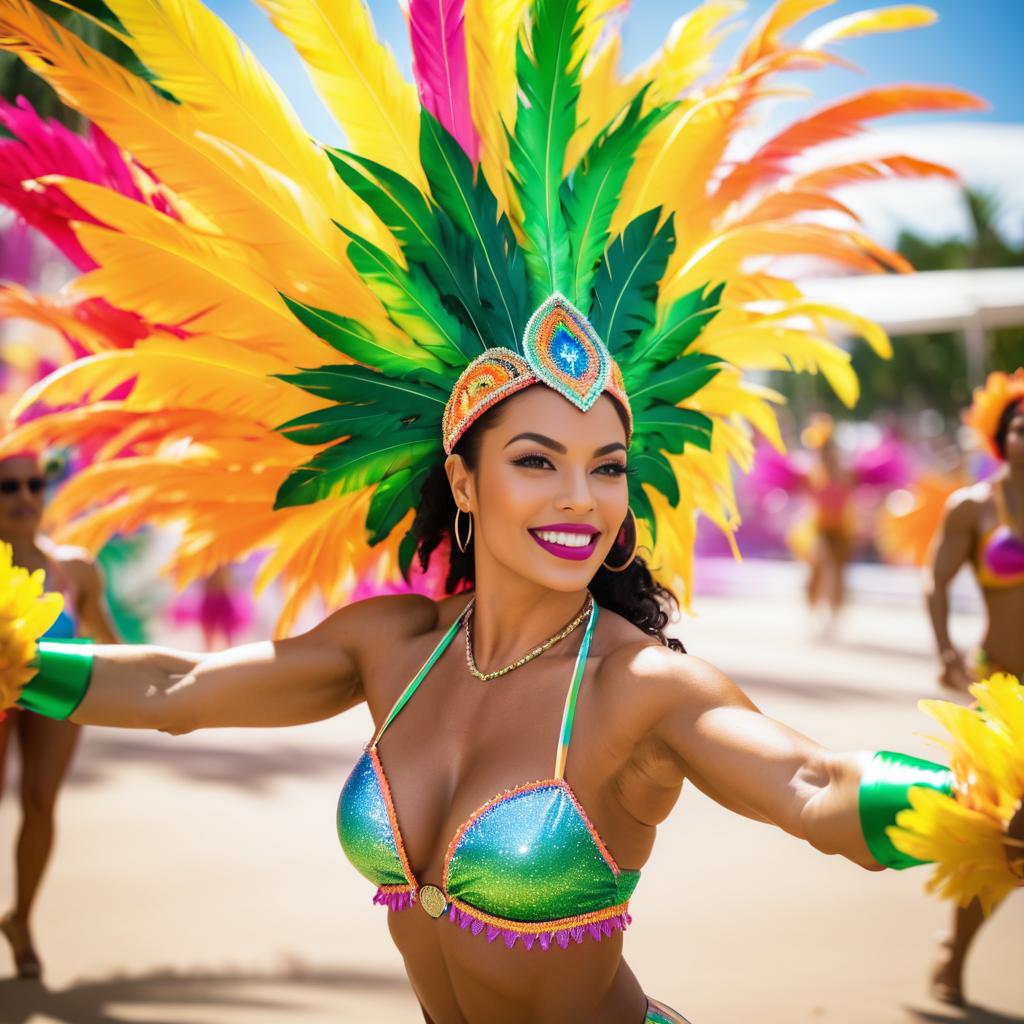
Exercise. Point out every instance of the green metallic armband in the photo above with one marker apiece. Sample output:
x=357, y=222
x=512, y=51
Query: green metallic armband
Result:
x=65, y=667
x=884, y=789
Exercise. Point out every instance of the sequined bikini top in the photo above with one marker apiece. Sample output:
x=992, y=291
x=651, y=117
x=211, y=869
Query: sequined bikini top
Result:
x=527, y=866
x=1000, y=558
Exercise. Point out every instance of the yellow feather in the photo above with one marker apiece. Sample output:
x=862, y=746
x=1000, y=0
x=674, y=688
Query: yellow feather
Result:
x=244, y=197
x=16, y=303
x=602, y=95
x=767, y=346
x=687, y=51
x=691, y=137
x=729, y=395
x=26, y=612
x=492, y=27
x=594, y=19
x=862, y=23
x=357, y=77
x=216, y=292
x=200, y=62
x=169, y=375
x=964, y=833
x=726, y=254
x=870, y=331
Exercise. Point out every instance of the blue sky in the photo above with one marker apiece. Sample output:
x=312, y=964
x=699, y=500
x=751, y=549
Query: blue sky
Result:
x=975, y=45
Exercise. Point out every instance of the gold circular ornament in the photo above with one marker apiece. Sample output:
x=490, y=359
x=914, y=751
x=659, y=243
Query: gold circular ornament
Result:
x=433, y=901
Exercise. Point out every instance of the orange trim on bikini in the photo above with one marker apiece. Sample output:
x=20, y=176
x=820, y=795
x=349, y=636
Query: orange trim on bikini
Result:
x=396, y=831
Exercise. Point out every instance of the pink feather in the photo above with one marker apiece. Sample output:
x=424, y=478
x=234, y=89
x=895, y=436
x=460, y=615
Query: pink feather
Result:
x=41, y=147
x=437, y=30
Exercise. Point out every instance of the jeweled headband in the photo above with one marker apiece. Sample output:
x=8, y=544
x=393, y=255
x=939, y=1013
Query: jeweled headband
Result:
x=560, y=349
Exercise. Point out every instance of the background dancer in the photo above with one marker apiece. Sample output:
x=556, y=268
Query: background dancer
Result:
x=984, y=528
x=44, y=746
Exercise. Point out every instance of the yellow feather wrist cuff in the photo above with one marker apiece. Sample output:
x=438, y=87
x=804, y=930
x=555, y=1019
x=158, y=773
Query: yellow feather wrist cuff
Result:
x=966, y=834
x=26, y=613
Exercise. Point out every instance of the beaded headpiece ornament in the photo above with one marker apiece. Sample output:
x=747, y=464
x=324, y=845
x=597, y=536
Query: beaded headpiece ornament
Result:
x=311, y=329
x=560, y=349
x=1001, y=390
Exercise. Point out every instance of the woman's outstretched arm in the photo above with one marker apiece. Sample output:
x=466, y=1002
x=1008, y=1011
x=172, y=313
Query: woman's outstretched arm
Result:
x=952, y=549
x=753, y=764
x=287, y=682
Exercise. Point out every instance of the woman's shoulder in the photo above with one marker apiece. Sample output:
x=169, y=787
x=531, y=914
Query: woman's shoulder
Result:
x=970, y=500
x=395, y=616
x=635, y=662
x=641, y=683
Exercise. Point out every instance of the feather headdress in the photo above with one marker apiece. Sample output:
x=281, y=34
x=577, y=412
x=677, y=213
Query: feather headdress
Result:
x=309, y=311
x=1001, y=390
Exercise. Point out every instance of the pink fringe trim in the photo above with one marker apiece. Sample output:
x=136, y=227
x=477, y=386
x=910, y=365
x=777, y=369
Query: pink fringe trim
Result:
x=395, y=901
x=560, y=937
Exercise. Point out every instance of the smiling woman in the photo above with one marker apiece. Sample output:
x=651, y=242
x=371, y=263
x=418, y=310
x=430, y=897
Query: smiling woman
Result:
x=528, y=329
x=529, y=464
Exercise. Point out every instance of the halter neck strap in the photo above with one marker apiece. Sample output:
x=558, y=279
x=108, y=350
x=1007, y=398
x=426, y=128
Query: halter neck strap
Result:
x=422, y=674
x=569, y=713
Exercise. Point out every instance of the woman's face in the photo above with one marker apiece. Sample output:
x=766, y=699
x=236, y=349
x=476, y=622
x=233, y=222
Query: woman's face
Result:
x=549, y=493
x=22, y=495
x=1014, y=445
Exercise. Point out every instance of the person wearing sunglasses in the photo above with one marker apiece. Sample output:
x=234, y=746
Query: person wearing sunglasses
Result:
x=45, y=746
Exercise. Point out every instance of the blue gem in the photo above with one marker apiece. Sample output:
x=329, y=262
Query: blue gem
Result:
x=568, y=354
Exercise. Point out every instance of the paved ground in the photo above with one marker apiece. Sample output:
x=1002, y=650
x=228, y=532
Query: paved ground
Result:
x=199, y=881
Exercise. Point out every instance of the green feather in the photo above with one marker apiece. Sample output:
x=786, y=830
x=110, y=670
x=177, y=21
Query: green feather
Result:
x=406, y=553
x=591, y=199
x=392, y=499
x=549, y=87
x=683, y=323
x=322, y=426
x=358, y=342
x=655, y=470
x=626, y=283
x=670, y=428
x=412, y=303
x=361, y=385
x=426, y=235
x=498, y=268
x=672, y=383
x=354, y=464
x=640, y=503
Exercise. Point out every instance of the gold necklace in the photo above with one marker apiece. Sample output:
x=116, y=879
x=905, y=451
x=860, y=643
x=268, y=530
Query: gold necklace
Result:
x=535, y=653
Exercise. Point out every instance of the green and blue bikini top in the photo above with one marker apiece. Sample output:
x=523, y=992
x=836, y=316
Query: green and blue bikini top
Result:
x=527, y=866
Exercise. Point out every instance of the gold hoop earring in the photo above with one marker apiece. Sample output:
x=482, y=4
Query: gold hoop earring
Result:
x=636, y=543
x=463, y=545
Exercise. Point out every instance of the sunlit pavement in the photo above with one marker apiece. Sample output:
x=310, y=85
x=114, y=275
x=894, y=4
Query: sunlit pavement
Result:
x=198, y=879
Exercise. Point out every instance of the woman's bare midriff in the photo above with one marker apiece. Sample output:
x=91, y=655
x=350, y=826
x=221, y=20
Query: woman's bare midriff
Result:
x=460, y=978
x=1004, y=638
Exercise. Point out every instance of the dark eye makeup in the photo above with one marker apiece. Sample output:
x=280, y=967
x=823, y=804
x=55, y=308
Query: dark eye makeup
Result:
x=534, y=461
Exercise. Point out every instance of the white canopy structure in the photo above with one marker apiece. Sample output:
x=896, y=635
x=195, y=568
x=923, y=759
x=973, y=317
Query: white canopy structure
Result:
x=969, y=301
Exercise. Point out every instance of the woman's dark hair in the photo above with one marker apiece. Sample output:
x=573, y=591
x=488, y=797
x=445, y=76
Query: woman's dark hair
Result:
x=1010, y=413
x=633, y=593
